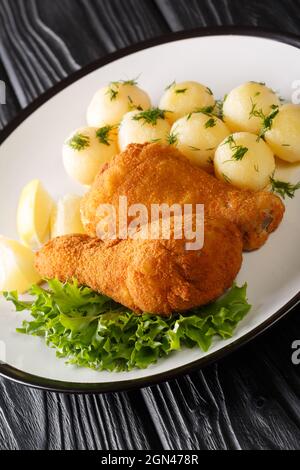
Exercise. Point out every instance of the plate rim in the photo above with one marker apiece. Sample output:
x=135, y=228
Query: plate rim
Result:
x=44, y=383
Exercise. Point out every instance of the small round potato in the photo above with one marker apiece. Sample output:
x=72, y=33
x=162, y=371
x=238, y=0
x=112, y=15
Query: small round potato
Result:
x=244, y=106
x=244, y=161
x=284, y=135
x=197, y=136
x=86, y=150
x=144, y=126
x=184, y=98
x=109, y=104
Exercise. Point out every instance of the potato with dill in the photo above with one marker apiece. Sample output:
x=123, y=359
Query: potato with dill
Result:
x=110, y=103
x=245, y=161
x=246, y=107
x=283, y=134
x=86, y=150
x=197, y=136
x=183, y=98
x=138, y=127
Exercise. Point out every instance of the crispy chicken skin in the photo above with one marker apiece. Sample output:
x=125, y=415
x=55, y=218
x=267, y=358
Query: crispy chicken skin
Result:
x=152, y=173
x=157, y=276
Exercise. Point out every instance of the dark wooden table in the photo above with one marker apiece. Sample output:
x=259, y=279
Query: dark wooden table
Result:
x=250, y=400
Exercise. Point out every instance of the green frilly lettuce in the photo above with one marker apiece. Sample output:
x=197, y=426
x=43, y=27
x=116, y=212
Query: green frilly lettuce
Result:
x=91, y=330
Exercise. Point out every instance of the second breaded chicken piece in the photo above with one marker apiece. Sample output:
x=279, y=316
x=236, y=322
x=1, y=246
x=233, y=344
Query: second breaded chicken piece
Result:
x=155, y=174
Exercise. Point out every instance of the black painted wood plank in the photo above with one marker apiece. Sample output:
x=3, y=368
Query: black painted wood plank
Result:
x=102, y=25
x=183, y=14
x=249, y=400
x=34, y=57
x=12, y=106
x=33, y=419
x=43, y=42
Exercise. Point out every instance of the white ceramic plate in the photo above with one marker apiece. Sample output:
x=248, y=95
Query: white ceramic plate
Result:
x=31, y=148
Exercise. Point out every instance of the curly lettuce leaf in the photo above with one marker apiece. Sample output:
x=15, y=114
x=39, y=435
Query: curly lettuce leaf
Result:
x=91, y=330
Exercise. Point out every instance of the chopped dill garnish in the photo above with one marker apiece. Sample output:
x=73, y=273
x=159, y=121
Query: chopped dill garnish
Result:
x=284, y=188
x=258, y=83
x=103, y=134
x=230, y=141
x=238, y=150
x=256, y=168
x=226, y=178
x=210, y=161
x=210, y=123
x=150, y=116
x=239, y=153
x=208, y=110
x=196, y=149
x=131, y=82
x=171, y=85
x=254, y=112
x=113, y=89
x=219, y=107
x=180, y=90
x=267, y=120
x=285, y=145
x=79, y=142
x=133, y=106
x=209, y=91
x=172, y=138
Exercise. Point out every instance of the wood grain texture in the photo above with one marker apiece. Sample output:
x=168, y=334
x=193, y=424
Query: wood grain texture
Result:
x=249, y=400
x=182, y=14
x=12, y=106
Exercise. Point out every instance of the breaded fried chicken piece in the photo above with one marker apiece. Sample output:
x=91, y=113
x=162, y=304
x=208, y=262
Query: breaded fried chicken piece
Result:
x=152, y=173
x=155, y=276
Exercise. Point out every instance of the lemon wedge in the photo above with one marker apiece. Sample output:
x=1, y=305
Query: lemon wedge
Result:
x=17, y=271
x=66, y=218
x=34, y=215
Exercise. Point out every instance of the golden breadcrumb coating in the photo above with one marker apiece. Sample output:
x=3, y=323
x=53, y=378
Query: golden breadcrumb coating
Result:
x=152, y=173
x=156, y=276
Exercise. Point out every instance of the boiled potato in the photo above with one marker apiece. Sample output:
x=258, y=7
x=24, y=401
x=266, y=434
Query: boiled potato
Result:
x=66, y=219
x=245, y=106
x=244, y=161
x=109, y=104
x=17, y=271
x=146, y=126
x=284, y=135
x=184, y=98
x=197, y=136
x=86, y=150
